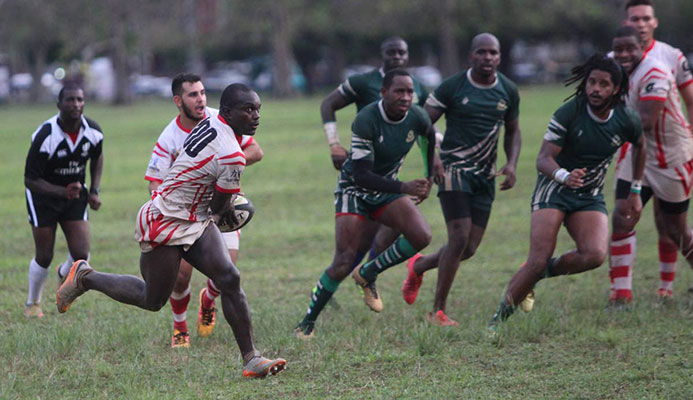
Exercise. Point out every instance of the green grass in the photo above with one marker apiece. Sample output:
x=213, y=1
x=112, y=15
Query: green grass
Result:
x=568, y=347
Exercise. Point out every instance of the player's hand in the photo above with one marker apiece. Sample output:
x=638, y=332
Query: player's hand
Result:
x=339, y=154
x=419, y=199
x=574, y=180
x=438, y=170
x=94, y=201
x=72, y=190
x=228, y=217
x=510, y=178
x=417, y=188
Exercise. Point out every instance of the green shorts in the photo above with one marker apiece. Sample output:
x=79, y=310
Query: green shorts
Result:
x=368, y=204
x=551, y=194
x=481, y=189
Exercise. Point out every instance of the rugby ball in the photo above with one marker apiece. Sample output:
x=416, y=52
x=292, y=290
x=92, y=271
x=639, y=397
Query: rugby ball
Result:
x=244, y=211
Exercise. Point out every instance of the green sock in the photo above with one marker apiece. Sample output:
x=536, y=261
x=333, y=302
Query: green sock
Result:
x=504, y=311
x=548, y=272
x=398, y=251
x=320, y=295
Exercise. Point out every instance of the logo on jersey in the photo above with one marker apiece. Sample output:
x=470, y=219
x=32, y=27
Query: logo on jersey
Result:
x=85, y=149
x=410, y=136
x=502, y=105
x=62, y=153
x=616, y=141
x=649, y=87
x=580, y=133
x=415, y=99
x=685, y=66
x=465, y=100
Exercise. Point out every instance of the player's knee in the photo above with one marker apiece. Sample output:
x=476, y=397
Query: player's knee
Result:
x=421, y=239
x=595, y=257
x=621, y=223
x=229, y=282
x=342, y=262
x=468, y=252
x=43, y=258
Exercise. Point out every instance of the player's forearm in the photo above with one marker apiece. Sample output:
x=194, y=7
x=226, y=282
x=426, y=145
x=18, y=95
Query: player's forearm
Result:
x=365, y=177
x=253, y=154
x=220, y=202
x=430, y=152
x=45, y=188
x=687, y=96
x=639, y=156
x=512, y=142
x=96, y=171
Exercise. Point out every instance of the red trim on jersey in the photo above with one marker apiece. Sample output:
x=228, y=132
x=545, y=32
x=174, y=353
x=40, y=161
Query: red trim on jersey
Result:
x=340, y=214
x=654, y=98
x=222, y=119
x=227, y=191
x=196, y=202
x=653, y=69
x=234, y=163
x=182, y=128
x=72, y=136
x=199, y=165
x=649, y=48
x=239, y=139
x=158, y=154
x=232, y=155
x=686, y=185
x=160, y=148
x=661, y=158
x=622, y=153
x=152, y=179
x=683, y=85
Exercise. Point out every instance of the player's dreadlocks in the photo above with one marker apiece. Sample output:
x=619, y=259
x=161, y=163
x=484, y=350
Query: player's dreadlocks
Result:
x=603, y=63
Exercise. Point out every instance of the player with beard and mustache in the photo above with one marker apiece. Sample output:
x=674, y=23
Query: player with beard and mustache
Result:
x=581, y=139
x=190, y=98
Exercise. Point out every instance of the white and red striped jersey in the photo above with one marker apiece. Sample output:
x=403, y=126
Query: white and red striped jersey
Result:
x=672, y=142
x=211, y=158
x=674, y=59
x=170, y=143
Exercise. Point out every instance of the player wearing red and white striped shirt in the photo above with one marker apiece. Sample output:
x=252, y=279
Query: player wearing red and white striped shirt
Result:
x=190, y=98
x=669, y=163
x=178, y=222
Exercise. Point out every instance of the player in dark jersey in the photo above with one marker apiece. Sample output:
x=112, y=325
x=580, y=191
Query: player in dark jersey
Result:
x=56, y=193
x=582, y=137
x=476, y=103
x=178, y=222
x=368, y=191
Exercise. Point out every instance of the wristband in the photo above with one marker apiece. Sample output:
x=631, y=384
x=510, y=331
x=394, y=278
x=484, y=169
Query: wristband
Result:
x=95, y=191
x=560, y=175
x=331, y=133
x=636, y=186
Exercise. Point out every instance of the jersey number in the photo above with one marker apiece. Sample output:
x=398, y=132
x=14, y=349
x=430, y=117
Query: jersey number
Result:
x=199, y=138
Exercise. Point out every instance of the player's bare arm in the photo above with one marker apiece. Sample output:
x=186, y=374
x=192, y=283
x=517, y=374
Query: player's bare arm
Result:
x=253, y=153
x=41, y=186
x=433, y=113
x=687, y=95
x=95, y=170
x=511, y=144
x=333, y=102
x=547, y=165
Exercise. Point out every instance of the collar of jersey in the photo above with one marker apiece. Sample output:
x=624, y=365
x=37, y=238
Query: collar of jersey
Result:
x=649, y=48
x=181, y=125
x=382, y=72
x=597, y=119
x=82, y=131
x=384, y=115
x=481, y=85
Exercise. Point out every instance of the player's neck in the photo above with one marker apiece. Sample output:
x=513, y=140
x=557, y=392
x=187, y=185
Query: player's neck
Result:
x=69, y=125
x=483, y=79
x=648, y=45
x=186, y=122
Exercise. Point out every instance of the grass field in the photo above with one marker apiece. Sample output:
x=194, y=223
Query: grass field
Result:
x=570, y=346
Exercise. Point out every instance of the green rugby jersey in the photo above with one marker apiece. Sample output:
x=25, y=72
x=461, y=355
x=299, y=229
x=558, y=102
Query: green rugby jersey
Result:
x=474, y=114
x=589, y=142
x=364, y=89
x=386, y=143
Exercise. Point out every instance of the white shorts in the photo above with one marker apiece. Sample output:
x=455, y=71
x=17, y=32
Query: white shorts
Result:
x=232, y=239
x=153, y=229
x=671, y=184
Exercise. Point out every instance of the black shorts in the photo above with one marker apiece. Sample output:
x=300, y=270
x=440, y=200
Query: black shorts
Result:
x=458, y=205
x=48, y=211
x=623, y=191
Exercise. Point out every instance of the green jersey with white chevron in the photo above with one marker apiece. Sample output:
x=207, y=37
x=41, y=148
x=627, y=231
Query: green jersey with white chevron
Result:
x=364, y=89
x=474, y=115
x=385, y=142
x=589, y=142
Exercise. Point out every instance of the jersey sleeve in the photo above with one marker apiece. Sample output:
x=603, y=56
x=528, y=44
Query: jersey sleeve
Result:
x=161, y=160
x=557, y=130
x=230, y=169
x=37, y=158
x=362, y=135
x=246, y=141
x=351, y=87
x=441, y=97
x=683, y=73
x=654, y=85
x=423, y=94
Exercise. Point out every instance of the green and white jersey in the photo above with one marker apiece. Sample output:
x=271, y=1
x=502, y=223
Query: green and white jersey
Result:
x=474, y=115
x=589, y=142
x=385, y=142
x=364, y=89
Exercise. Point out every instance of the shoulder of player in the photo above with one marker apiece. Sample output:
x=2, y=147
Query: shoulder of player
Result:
x=652, y=68
x=626, y=114
x=43, y=131
x=92, y=131
x=93, y=124
x=665, y=48
x=506, y=82
x=569, y=110
x=418, y=113
x=455, y=80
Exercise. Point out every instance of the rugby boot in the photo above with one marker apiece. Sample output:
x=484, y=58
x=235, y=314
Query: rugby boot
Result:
x=527, y=304
x=259, y=367
x=72, y=287
x=664, y=294
x=305, y=331
x=412, y=283
x=370, y=294
x=33, y=310
x=205, y=318
x=440, y=319
x=180, y=339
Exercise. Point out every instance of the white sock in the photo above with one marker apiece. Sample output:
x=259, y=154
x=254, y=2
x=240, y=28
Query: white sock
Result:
x=37, y=279
x=65, y=266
